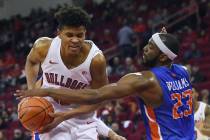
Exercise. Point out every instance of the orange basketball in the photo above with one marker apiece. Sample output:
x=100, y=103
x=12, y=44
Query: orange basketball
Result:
x=33, y=113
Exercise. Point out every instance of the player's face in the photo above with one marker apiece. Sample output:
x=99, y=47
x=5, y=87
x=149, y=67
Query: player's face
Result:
x=151, y=54
x=72, y=38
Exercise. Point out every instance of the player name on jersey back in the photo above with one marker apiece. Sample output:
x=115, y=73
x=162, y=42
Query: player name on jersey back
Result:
x=177, y=84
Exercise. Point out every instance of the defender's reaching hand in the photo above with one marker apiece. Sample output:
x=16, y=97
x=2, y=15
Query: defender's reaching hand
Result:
x=20, y=94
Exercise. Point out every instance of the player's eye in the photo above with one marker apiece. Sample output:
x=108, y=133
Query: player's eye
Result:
x=69, y=34
x=80, y=35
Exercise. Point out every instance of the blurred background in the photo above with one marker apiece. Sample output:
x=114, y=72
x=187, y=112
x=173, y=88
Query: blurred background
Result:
x=120, y=28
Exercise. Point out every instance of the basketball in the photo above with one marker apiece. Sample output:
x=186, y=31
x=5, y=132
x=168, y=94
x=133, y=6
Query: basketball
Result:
x=33, y=113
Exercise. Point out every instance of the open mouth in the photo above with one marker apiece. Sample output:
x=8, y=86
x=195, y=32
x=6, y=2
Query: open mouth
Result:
x=74, y=48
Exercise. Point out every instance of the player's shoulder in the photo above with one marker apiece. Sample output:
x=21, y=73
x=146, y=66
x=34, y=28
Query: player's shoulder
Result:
x=98, y=60
x=185, y=68
x=41, y=47
x=42, y=42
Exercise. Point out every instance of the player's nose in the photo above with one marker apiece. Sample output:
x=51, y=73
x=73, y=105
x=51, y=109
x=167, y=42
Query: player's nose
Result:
x=145, y=49
x=75, y=40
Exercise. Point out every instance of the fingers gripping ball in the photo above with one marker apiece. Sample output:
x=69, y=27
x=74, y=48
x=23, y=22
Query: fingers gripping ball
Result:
x=33, y=113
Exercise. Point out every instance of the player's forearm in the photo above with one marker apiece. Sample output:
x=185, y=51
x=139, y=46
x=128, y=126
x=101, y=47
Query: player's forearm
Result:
x=90, y=96
x=85, y=96
x=31, y=74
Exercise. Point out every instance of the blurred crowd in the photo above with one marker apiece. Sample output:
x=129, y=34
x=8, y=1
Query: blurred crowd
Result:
x=123, y=25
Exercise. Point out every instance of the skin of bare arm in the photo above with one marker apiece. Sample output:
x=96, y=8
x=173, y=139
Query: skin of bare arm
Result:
x=130, y=84
x=38, y=83
x=34, y=59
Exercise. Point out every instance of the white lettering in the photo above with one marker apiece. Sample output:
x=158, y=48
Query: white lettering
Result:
x=177, y=84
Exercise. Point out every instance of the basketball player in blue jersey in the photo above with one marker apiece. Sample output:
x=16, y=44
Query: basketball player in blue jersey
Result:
x=163, y=91
x=70, y=61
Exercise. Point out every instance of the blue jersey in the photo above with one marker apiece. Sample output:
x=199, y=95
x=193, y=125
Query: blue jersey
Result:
x=174, y=118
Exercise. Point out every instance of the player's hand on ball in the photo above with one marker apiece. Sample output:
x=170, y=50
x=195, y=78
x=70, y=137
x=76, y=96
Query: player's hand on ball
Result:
x=20, y=94
x=58, y=118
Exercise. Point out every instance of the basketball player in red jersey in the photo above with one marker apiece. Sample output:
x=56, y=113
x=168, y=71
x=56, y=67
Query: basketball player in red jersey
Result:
x=69, y=61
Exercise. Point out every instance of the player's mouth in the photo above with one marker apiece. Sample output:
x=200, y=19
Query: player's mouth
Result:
x=74, y=48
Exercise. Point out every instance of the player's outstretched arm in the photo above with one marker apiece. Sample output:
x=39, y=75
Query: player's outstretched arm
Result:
x=126, y=86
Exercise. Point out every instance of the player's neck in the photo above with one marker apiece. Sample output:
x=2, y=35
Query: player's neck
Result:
x=70, y=60
x=165, y=64
x=73, y=60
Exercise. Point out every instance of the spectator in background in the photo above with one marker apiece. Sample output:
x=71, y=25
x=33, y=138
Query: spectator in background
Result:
x=3, y=125
x=92, y=36
x=125, y=35
x=129, y=66
x=18, y=135
x=191, y=35
x=2, y=135
x=194, y=52
x=205, y=95
x=108, y=70
x=9, y=59
x=1, y=64
x=14, y=115
x=196, y=75
x=107, y=38
x=139, y=27
x=136, y=45
x=117, y=67
x=22, y=78
x=203, y=38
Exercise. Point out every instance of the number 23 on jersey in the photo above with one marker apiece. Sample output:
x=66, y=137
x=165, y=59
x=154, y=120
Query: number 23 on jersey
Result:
x=182, y=99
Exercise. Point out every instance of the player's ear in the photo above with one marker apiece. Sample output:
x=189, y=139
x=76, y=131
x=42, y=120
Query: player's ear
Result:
x=163, y=57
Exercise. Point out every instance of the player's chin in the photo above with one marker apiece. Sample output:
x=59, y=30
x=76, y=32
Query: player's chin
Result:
x=144, y=61
x=74, y=51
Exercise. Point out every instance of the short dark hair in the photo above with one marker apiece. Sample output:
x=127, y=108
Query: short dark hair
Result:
x=72, y=16
x=170, y=41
